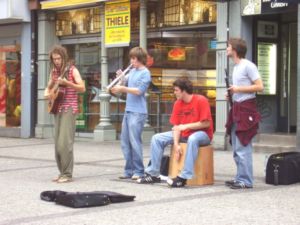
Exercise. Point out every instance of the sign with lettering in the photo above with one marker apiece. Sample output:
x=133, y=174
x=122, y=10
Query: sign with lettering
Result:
x=117, y=24
x=267, y=66
x=256, y=7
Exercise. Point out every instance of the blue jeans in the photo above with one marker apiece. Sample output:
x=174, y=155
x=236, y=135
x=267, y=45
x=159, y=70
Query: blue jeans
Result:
x=131, y=143
x=161, y=140
x=243, y=159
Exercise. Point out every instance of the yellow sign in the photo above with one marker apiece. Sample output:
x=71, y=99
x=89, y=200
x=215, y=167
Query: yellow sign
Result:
x=117, y=23
x=66, y=3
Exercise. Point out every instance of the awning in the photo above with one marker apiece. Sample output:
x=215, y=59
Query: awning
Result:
x=55, y=4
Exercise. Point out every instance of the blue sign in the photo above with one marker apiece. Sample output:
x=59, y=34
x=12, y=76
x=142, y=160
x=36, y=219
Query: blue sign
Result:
x=213, y=44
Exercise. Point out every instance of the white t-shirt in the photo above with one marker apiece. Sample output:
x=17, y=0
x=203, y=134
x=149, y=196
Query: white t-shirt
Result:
x=244, y=74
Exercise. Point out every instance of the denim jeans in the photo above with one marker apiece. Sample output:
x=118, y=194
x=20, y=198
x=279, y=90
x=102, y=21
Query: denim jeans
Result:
x=243, y=159
x=131, y=143
x=161, y=140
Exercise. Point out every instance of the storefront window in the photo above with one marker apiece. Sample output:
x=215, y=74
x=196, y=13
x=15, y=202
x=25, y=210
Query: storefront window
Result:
x=185, y=12
x=181, y=54
x=171, y=13
x=79, y=21
x=86, y=57
x=10, y=86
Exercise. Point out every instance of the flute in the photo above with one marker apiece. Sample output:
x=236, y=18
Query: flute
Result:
x=227, y=86
x=118, y=79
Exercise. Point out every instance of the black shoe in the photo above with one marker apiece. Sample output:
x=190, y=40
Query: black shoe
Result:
x=229, y=182
x=177, y=182
x=238, y=185
x=148, y=179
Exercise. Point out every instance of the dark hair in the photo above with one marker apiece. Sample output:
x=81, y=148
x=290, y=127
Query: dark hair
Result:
x=239, y=45
x=184, y=84
x=62, y=51
x=140, y=54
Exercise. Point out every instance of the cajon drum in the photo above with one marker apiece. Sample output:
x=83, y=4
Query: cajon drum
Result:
x=203, y=167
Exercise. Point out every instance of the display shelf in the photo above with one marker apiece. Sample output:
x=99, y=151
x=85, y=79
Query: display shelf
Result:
x=204, y=81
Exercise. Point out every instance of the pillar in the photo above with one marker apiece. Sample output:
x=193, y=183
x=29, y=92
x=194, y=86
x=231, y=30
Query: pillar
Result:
x=26, y=82
x=46, y=39
x=219, y=140
x=104, y=131
x=148, y=130
x=298, y=83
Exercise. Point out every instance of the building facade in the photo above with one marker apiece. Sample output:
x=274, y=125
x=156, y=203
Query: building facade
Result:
x=16, y=77
x=183, y=38
x=271, y=29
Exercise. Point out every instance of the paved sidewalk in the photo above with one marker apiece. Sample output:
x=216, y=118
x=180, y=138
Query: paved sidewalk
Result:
x=27, y=167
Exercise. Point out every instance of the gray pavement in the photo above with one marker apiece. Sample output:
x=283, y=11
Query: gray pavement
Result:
x=27, y=167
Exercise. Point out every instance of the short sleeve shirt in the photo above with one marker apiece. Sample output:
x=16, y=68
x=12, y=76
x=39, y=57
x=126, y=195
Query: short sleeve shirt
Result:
x=197, y=110
x=244, y=74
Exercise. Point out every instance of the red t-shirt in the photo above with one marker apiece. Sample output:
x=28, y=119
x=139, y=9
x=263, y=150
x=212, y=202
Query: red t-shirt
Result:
x=197, y=110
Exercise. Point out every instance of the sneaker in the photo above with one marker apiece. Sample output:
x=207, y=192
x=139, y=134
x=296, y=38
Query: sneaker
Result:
x=229, y=182
x=64, y=180
x=148, y=179
x=135, y=177
x=239, y=185
x=177, y=182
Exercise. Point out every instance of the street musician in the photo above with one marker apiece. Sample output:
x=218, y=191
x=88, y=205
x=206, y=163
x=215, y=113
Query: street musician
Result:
x=135, y=114
x=65, y=81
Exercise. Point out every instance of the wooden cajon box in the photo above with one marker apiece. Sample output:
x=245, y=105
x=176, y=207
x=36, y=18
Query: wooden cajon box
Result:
x=203, y=168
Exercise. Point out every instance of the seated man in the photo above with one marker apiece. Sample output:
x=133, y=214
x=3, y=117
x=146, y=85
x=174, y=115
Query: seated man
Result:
x=192, y=121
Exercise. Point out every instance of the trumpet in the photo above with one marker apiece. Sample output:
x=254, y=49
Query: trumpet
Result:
x=119, y=79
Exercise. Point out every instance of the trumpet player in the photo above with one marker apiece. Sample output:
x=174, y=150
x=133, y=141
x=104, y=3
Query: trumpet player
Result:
x=135, y=114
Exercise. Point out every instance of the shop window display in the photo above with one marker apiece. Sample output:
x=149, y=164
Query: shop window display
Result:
x=10, y=86
x=186, y=52
x=169, y=58
x=191, y=57
x=79, y=21
x=186, y=12
x=86, y=57
x=170, y=13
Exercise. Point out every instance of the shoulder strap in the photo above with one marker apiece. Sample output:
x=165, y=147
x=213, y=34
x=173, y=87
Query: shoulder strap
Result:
x=66, y=72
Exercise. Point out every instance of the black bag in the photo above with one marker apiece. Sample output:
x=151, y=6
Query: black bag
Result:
x=115, y=197
x=164, y=166
x=82, y=199
x=50, y=196
x=283, y=168
x=85, y=199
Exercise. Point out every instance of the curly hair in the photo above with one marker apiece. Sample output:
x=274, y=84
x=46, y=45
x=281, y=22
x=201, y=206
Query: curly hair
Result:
x=62, y=51
x=184, y=84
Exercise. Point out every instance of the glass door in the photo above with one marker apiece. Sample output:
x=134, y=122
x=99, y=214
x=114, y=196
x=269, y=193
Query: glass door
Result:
x=288, y=82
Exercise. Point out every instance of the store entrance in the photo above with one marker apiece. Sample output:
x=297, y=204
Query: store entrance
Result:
x=288, y=93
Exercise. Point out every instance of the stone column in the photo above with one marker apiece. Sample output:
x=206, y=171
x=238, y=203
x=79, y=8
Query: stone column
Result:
x=148, y=130
x=219, y=140
x=46, y=39
x=143, y=24
x=26, y=81
x=298, y=84
x=104, y=131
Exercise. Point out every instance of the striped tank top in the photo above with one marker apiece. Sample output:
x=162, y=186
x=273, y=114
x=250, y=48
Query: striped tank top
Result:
x=71, y=98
